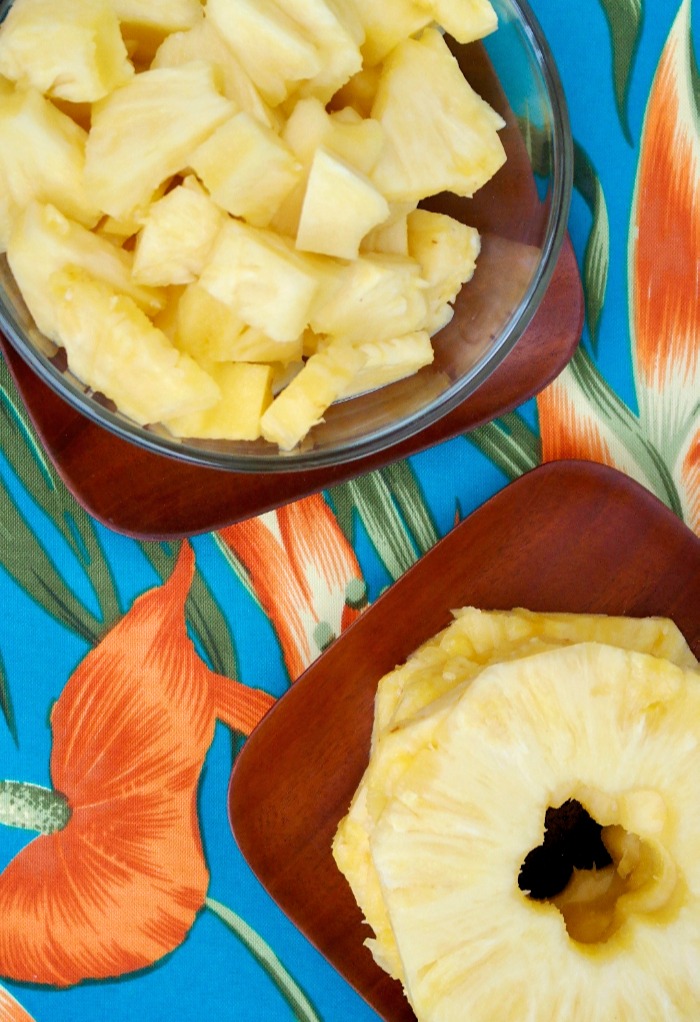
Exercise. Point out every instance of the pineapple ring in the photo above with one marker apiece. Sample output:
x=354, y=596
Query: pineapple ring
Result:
x=614, y=729
x=414, y=699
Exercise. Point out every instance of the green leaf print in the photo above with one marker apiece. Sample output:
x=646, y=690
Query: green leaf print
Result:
x=509, y=443
x=625, y=18
x=6, y=703
x=596, y=259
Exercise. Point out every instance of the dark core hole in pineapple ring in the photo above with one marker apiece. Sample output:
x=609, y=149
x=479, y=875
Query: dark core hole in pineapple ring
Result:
x=572, y=840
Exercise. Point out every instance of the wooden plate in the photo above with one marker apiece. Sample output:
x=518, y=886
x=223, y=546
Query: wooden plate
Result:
x=569, y=536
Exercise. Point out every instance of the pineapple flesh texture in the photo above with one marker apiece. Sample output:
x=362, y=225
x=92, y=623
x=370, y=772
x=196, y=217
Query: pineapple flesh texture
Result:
x=414, y=699
x=273, y=49
x=145, y=132
x=262, y=279
x=203, y=42
x=176, y=238
x=385, y=25
x=71, y=50
x=114, y=348
x=615, y=730
x=465, y=20
x=247, y=168
x=335, y=32
x=391, y=360
x=302, y=403
x=43, y=241
x=447, y=251
x=42, y=158
x=246, y=392
x=146, y=23
x=340, y=207
x=440, y=135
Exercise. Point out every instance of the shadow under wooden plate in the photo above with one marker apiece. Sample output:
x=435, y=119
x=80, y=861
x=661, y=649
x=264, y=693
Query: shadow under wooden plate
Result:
x=568, y=536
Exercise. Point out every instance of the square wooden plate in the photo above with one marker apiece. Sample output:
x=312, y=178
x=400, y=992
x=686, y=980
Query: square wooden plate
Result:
x=569, y=536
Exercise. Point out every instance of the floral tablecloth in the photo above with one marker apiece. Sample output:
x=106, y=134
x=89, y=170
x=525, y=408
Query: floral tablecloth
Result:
x=131, y=672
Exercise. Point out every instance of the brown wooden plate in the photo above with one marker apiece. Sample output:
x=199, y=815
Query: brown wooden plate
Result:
x=568, y=536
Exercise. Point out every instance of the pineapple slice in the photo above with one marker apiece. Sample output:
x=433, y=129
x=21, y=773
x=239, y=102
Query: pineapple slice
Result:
x=274, y=50
x=262, y=279
x=176, y=238
x=390, y=360
x=387, y=24
x=372, y=298
x=340, y=207
x=439, y=134
x=447, y=251
x=302, y=403
x=247, y=168
x=72, y=50
x=615, y=731
x=465, y=20
x=144, y=133
x=113, y=347
x=43, y=241
x=246, y=391
x=335, y=31
x=203, y=42
x=413, y=700
x=42, y=157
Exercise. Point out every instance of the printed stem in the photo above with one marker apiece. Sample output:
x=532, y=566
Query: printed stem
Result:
x=31, y=807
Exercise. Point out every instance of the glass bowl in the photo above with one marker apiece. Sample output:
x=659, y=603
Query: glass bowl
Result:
x=521, y=215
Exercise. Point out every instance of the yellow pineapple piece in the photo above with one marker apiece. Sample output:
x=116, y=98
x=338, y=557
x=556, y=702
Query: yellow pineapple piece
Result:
x=610, y=729
x=43, y=241
x=447, y=251
x=203, y=42
x=358, y=92
x=391, y=237
x=176, y=238
x=387, y=24
x=42, y=157
x=340, y=206
x=273, y=49
x=391, y=359
x=439, y=134
x=465, y=20
x=303, y=402
x=113, y=347
x=246, y=391
x=335, y=32
x=178, y=106
x=146, y=23
x=263, y=280
x=372, y=298
x=70, y=50
x=247, y=168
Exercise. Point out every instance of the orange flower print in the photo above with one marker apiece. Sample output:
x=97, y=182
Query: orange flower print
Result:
x=304, y=573
x=118, y=875
x=579, y=414
x=11, y=1010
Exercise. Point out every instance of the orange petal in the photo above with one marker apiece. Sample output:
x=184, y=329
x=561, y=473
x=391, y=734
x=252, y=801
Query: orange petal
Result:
x=121, y=884
x=665, y=245
x=301, y=566
x=11, y=1010
x=689, y=482
x=568, y=428
x=238, y=706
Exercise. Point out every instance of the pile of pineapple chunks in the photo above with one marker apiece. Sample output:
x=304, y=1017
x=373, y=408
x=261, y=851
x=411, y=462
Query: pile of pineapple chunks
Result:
x=212, y=205
x=473, y=736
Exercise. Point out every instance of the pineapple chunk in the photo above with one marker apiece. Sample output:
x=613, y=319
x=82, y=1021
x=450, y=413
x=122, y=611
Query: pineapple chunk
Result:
x=340, y=207
x=359, y=92
x=274, y=50
x=247, y=168
x=115, y=349
x=262, y=279
x=203, y=42
x=447, y=251
x=145, y=131
x=176, y=238
x=465, y=20
x=439, y=134
x=373, y=298
x=390, y=360
x=145, y=23
x=335, y=31
x=43, y=241
x=387, y=24
x=246, y=391
x=302, y=403
x=70, y=50
x=391, y=237
x=42, y=157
